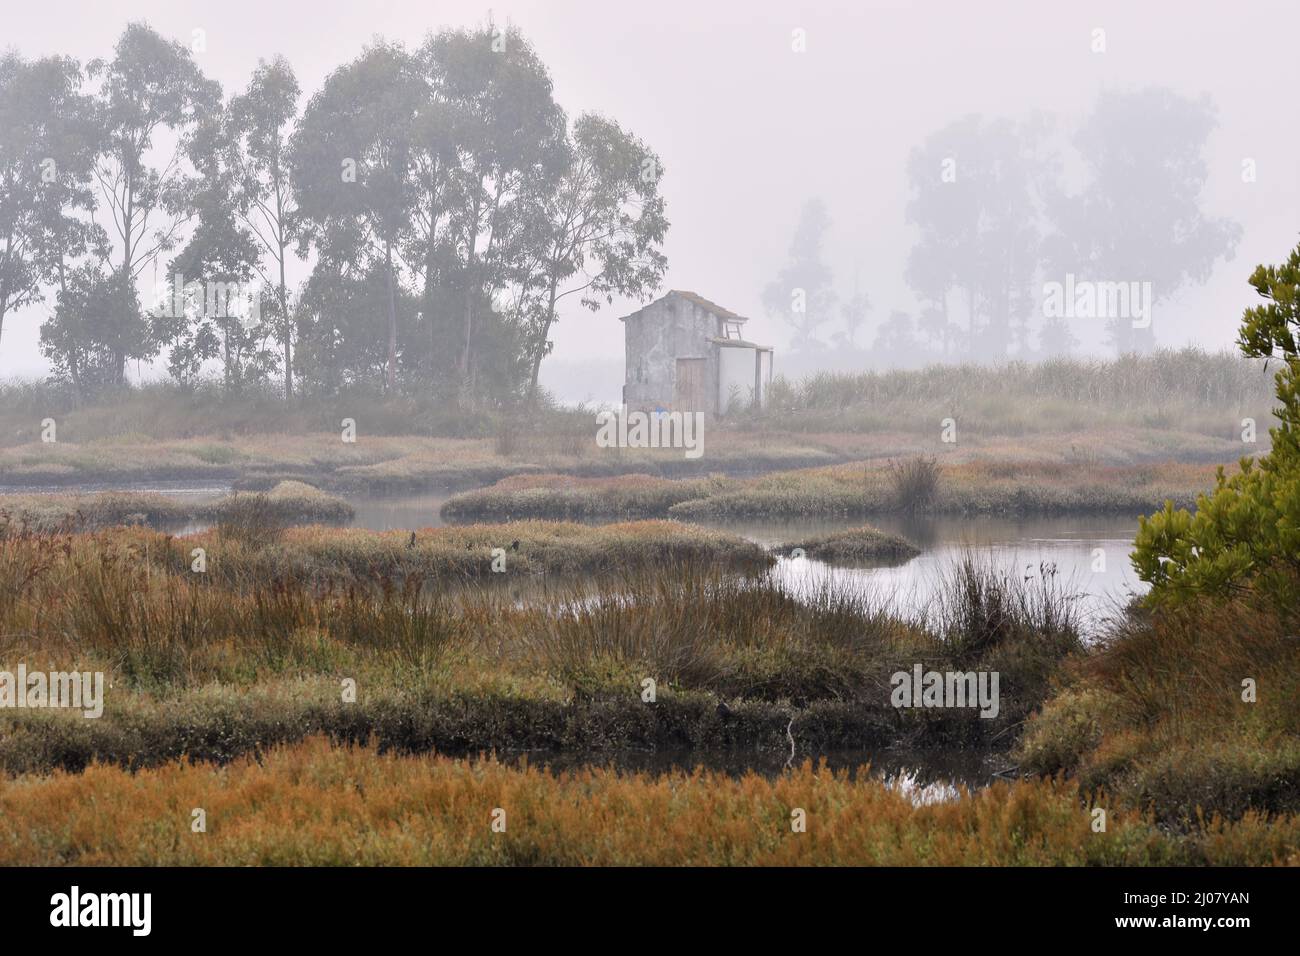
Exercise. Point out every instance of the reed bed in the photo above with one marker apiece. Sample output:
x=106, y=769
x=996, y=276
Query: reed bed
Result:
x=1168, y=386
x=561, y=664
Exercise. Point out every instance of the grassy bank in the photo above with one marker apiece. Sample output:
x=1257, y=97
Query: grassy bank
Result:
x=1157, y=715
x=320, y=805
x=501, y=553
x=858, y=489
x=289, y=502
x=376, y=463
x=244, y=550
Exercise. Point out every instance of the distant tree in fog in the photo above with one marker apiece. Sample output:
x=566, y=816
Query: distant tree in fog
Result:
x=222, y=252
x=351, y=163
x=48, y=242
x=1055, y=338
x=975, y=188
x=896, y=342
x=1139, y=216
x=853, y=311
x=944, y=334
x=508, y=131
x=803, y=293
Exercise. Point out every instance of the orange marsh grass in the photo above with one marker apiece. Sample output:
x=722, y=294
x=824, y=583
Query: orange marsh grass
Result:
x=314, y=804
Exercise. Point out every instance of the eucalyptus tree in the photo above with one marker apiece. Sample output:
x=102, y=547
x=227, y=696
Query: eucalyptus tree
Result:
x=262, y=117
x=350, y=161
x=977, y=190
x=506, y=130
x=46, y=151
x=1140, y=217
x=593, y=231
x=151, y=95
x=88, y=298
x=803, y=292
x=334, y=313
x=213, y=307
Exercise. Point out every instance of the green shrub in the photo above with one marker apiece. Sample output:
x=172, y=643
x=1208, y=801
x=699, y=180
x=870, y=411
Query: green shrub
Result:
x=1246, y=534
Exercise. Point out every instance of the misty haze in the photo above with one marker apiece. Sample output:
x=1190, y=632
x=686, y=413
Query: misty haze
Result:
x=695, y=434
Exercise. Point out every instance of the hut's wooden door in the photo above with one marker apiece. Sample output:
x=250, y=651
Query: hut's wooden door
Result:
x=688, y=390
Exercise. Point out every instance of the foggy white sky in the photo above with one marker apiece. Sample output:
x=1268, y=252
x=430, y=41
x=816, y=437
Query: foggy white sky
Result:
x=748, y=130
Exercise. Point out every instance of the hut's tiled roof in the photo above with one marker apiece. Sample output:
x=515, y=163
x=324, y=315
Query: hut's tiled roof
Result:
x=699, y=300
x=713, y=307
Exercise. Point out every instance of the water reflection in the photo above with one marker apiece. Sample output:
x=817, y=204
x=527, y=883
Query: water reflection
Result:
x=1088, y=556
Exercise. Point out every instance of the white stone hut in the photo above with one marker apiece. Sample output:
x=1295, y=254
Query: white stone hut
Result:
x=687, y=354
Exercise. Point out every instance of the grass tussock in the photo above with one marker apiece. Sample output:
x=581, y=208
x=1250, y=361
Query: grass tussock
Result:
x=915, y=483
x=854, y=547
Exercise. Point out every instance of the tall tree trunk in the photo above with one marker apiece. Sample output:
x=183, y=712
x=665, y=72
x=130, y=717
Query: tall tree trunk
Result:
x=74, y=366
x=4, y=282
x=284, y=299
x=391, y=374
x=470, y=269
x=540, y=351
x=128, y=224
x=427, y=295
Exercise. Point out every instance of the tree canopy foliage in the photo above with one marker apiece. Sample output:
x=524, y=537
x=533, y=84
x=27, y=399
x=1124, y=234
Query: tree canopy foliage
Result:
x=420, y=225
x=1245, y=535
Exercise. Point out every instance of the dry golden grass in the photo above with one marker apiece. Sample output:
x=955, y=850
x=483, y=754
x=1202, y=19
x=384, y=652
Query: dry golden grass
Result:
x=319, y=805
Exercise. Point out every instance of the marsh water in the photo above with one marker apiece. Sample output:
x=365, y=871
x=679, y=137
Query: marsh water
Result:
x=1087, y=555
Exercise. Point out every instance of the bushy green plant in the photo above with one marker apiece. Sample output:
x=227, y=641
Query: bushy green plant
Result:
x=1245, y=536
